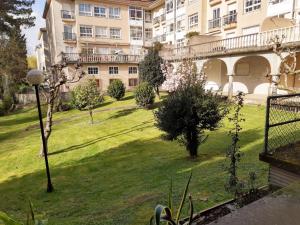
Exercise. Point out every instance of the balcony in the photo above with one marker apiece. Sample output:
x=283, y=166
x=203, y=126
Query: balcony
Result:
x=230, y=21
x=67, y=15
x=214, y=25
x=101, y=58
x=160, y=38
x=69, y=37
x=156, y=21
x=245, y=43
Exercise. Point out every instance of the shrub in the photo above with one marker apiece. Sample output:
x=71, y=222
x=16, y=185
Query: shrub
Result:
x=2, y=111
x=116, y=89
x=185, y=114
x=144, y=95
x=87, y=97
x=7, y=102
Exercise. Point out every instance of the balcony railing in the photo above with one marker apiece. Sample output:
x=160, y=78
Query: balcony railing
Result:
x=101, y=58
x=65, y=14
x=229, y=19
x=69, y=36
x=214, y=23
x=255, y=42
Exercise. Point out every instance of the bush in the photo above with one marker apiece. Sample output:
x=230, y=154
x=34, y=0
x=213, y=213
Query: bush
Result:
x=185, y=114
x=2, y=111
x=116, y=90
x=144, y=95
x=7, y=102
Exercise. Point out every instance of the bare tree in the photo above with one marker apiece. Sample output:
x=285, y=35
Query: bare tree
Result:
x=288, y=61
x=55, y=78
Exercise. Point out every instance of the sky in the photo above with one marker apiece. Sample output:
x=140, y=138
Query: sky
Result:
x=32, y=33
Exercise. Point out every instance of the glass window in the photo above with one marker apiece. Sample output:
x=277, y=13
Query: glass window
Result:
x=99, y=11
x=132, y=70
x=115, y=33
x=101, y=32
x=169, y=6
x=132, y=82
x=114, y=13
x=148, y=17
x=148, y=33
x=180, y=24
x=252, y=5
x=85, y=10
x=193, y=20
x=180, y=4
x=113, y=70
x=86, y=31
x=93, y=70
x=136, y=33
x=88, y=51
x=135, y=13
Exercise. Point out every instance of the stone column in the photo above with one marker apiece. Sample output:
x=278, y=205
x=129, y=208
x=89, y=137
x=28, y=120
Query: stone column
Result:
x=274, y=84
x=230, y=86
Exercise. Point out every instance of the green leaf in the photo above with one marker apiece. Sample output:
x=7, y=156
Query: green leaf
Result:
x=163, y=213
x=183, y=199
x=7, y=220
x=191, y=210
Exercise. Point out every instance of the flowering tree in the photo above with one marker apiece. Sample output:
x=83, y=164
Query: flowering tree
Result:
x=186, y=73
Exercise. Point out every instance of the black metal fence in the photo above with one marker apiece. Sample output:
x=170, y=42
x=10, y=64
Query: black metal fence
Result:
x=282, y=122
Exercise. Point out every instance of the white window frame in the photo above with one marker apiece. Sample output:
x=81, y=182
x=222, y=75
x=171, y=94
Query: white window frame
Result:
x=135, y=11
x=114, y=13
x=193, y=22
x=169, y=6
x=137, y=82
x=93, y=70
x=101, y=34
x=100, y=14
x=148, y=34
x=86, y=34
x=114, y=36
x=84, y=11
x=253, y=5
x=136, y=33
x=132, y=70
x=113, y=70
x=148, y=16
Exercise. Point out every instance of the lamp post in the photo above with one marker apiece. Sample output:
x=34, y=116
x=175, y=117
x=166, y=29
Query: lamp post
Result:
x=35, y=78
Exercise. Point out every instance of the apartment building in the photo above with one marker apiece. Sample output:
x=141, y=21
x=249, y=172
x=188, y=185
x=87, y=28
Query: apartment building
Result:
x=231, y=37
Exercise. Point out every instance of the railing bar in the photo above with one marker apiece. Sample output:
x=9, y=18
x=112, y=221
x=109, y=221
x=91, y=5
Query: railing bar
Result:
x=283, y=123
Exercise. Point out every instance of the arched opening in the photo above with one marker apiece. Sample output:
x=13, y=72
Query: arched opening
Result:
x=290, y=82
x=251, y=75
x=216, y=74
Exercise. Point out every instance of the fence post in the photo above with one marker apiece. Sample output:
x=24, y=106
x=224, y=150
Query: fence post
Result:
x=267, y=124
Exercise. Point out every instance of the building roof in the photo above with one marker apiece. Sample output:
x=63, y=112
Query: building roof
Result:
x=141, y=3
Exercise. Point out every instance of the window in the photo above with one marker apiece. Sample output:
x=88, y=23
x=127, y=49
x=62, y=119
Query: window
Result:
x=86, y=31
x=136, y=33
x=113, y=70
x=148, y=17
x=132, y=70
x=193, y=20
x=169, y=6
x=115, y=33
x=180, y=24
x=216, y=13
x=180, y=3
x=148, y=33
x=70, y=49
x=180, y=43
x=103, y=51
x=93, y=70
x=101, y=32
x=135, y=13
x=252, y=5
x=99, y=11
x=85, y=10
x=114, y=13
x=132, y=82
x=171, y=28
x=88, y=51
x=274, y=2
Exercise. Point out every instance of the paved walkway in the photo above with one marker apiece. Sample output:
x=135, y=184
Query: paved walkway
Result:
x=281, y=208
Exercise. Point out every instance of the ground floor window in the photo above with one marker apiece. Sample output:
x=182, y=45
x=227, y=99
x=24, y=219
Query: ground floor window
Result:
x=93, y=70
x=113, y=70
x=132, y=82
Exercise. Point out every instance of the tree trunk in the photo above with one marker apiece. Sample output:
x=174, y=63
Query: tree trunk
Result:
x=157, y=92
x=91, y=115
x=49, y=121
x=58, y=107
x=192, y=143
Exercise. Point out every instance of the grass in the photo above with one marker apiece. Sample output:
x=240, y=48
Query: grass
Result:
x=117, y=170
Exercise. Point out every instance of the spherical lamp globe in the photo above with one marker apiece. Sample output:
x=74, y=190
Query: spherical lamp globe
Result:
x=35, y=77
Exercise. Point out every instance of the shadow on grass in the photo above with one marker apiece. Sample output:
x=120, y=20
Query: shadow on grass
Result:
x=20, y=120
x=124, y=112
x=118, y=186
x=141, y=126
x=129, y=97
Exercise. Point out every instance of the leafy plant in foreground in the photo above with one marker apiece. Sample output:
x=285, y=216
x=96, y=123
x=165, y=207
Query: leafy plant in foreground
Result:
x=116, y=90
x=144, y=95
x=165, y=213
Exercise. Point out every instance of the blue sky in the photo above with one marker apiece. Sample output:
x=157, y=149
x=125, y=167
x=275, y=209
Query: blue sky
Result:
x=32, y=33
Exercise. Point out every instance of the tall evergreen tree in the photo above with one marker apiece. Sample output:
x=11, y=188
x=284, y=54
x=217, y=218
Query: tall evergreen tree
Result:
x=15, y=13
x=150, y=70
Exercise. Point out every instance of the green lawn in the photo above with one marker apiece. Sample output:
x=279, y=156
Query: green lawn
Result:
x=117, y=170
